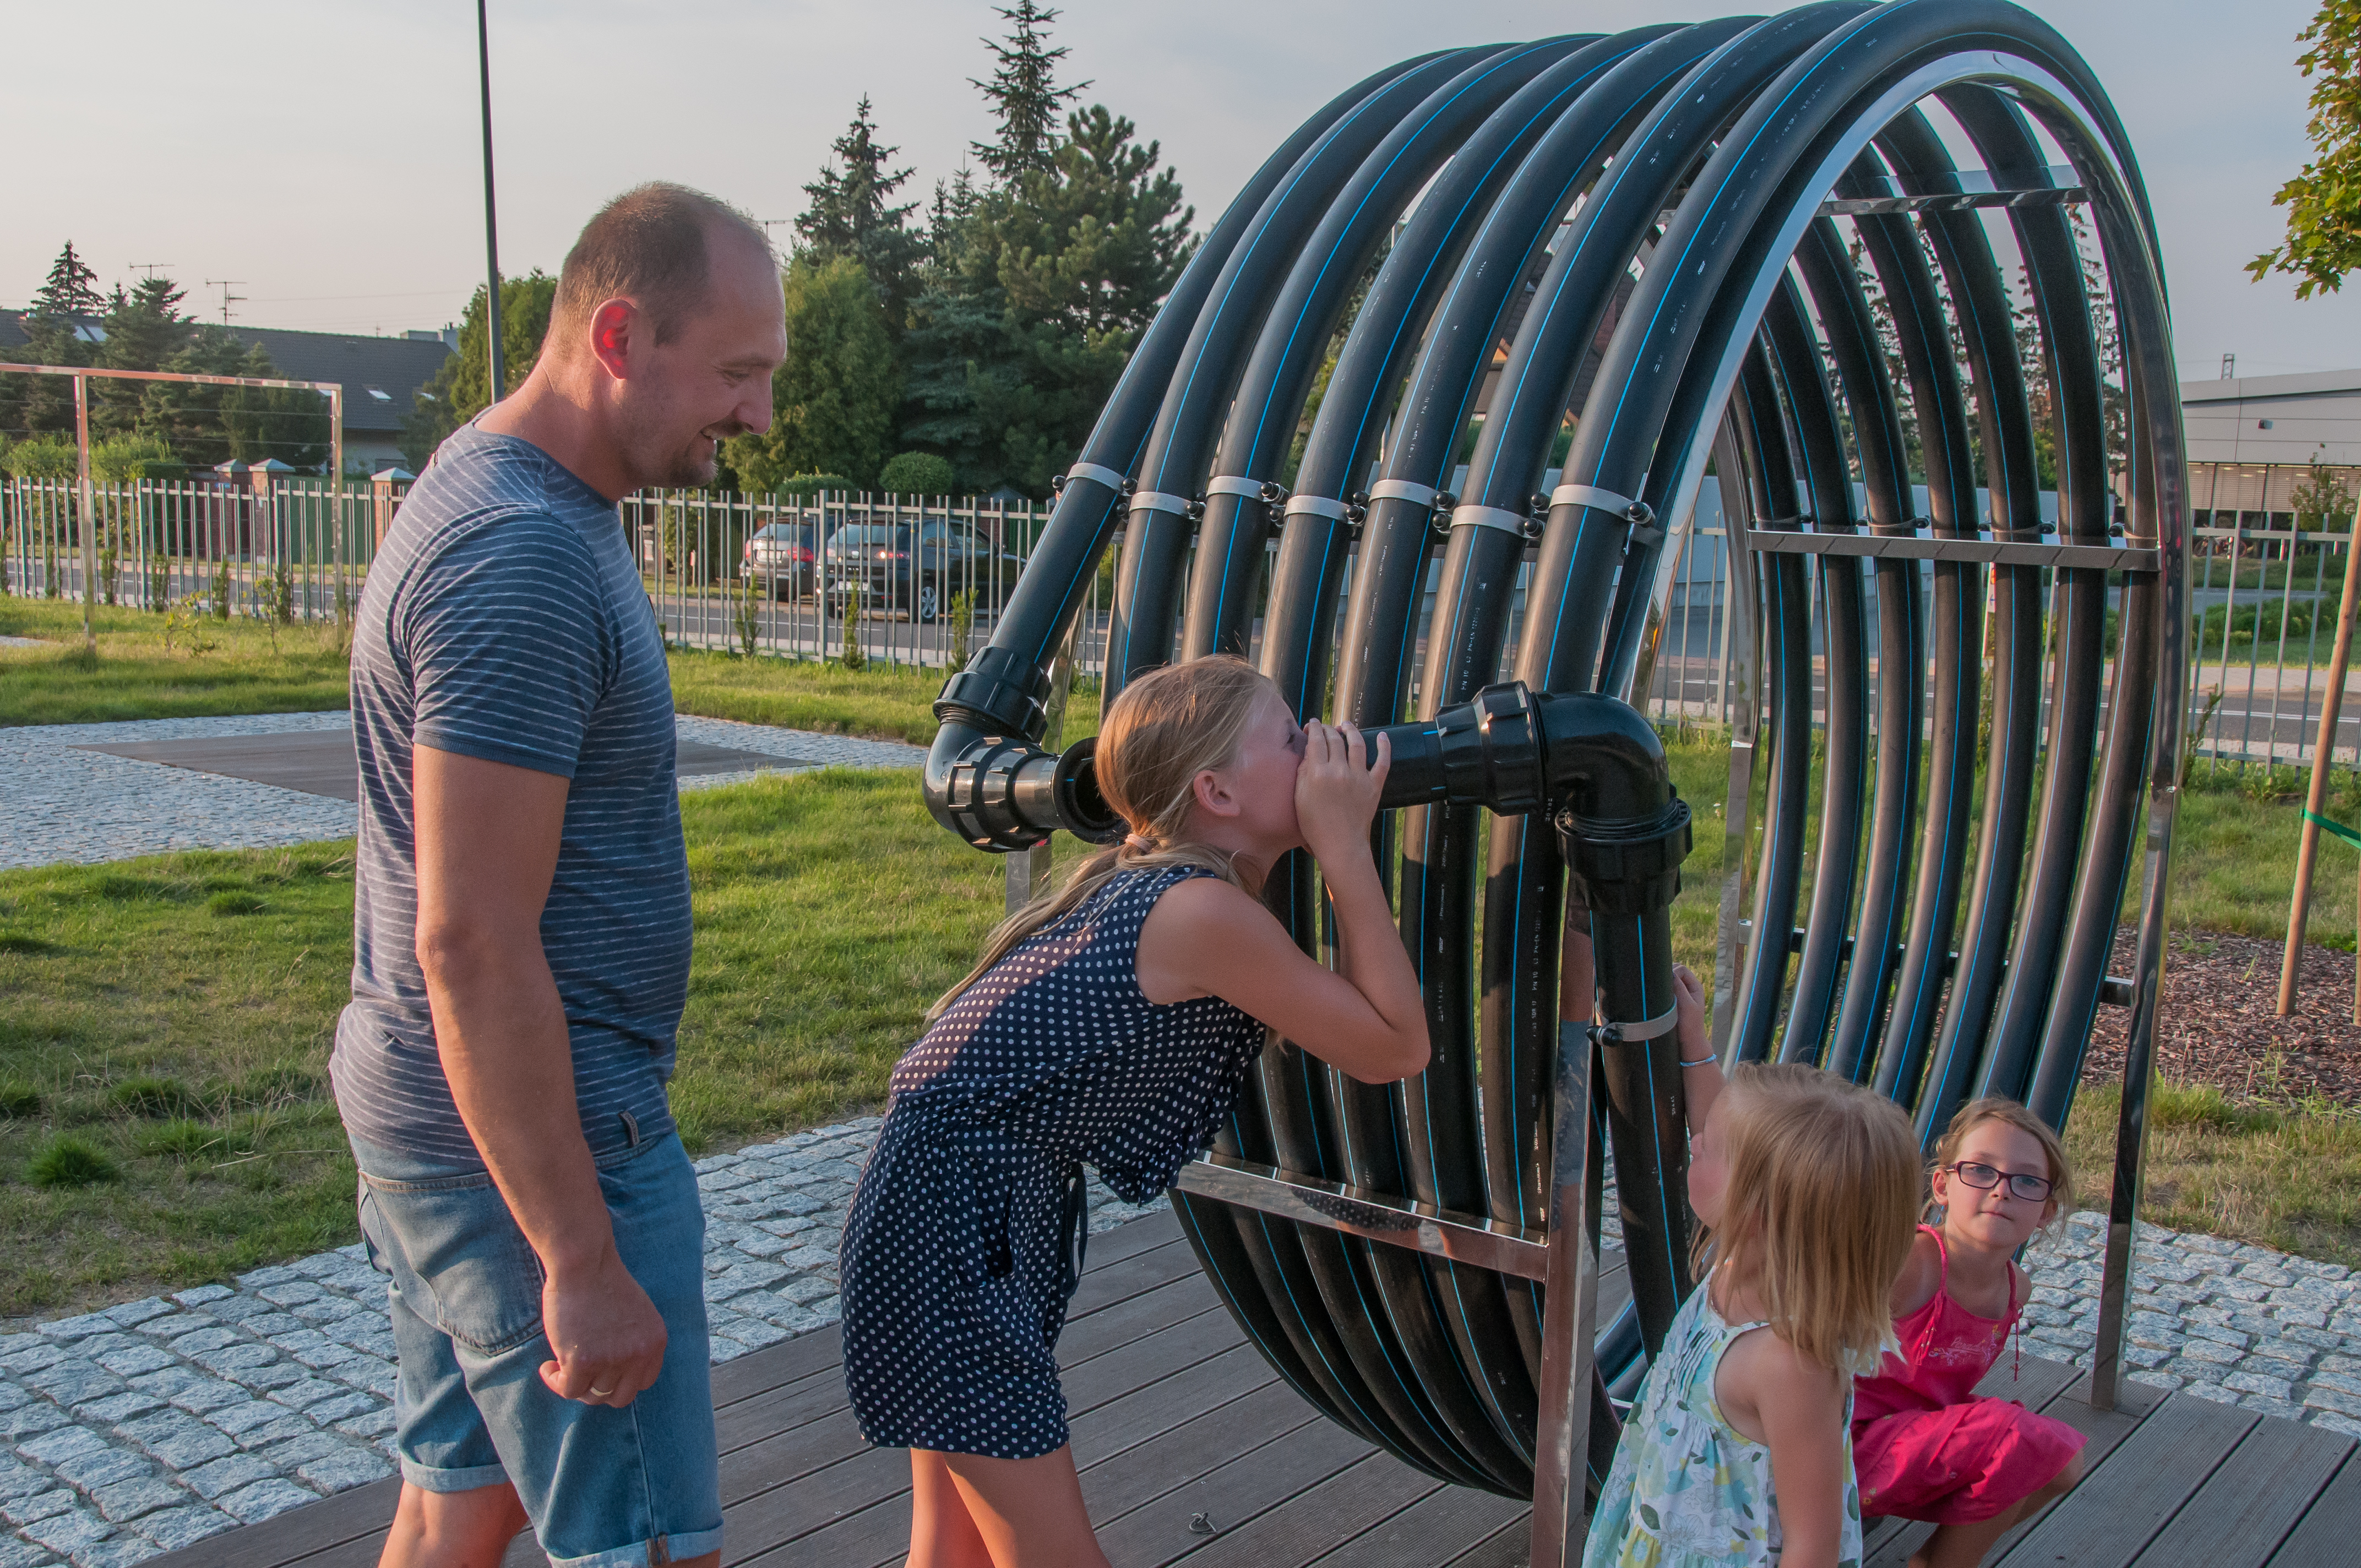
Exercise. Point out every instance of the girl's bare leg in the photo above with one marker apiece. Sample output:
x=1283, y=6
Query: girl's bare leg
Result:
x=941, y=1533
x=1021, y=1513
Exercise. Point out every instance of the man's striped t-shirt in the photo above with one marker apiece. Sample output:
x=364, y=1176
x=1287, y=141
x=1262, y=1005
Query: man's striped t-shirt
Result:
x=504, y=619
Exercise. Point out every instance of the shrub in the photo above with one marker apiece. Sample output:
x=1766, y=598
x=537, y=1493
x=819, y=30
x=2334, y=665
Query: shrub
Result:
x=918, y=473
x=962, y=626
x=854, y=659
x=44, y=458
x=128, y=457
x=68, y=1162
x=810, y=484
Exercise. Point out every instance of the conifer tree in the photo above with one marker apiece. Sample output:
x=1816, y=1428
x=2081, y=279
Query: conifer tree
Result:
x=850, y=215
x=1025, y=94
x=71, y=289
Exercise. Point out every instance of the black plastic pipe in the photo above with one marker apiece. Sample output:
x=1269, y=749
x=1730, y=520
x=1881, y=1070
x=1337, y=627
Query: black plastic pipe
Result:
x=1696, y=286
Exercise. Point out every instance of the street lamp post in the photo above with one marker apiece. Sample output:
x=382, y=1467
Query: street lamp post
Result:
x=491, y=228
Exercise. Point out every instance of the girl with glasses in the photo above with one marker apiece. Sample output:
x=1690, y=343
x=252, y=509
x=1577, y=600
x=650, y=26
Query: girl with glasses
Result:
x=1925, y=1445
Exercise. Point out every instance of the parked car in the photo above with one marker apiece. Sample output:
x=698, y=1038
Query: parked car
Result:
x=915, y=570
x=779, y=557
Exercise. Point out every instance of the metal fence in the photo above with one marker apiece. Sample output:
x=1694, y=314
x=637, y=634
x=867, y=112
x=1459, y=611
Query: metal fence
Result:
x=289, y=550
x=793, y=578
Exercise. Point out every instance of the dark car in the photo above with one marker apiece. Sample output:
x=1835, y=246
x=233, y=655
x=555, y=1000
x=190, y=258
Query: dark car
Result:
x=915, y=570
x=779, y=557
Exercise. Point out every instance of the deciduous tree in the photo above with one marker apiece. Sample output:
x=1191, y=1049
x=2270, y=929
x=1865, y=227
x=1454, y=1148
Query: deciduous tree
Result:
x=2324, y=202
x=462, y=386
x=835, y=397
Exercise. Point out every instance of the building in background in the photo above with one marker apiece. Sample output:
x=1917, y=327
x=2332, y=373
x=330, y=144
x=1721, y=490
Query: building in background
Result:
x=2262, y=447
x=380, y=376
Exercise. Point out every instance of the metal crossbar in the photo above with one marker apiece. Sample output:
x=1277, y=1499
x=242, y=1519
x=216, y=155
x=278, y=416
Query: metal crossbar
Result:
x=1917, y=547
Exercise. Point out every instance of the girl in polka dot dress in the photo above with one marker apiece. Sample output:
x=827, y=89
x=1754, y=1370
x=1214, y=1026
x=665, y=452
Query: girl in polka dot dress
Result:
x=1110, y=1026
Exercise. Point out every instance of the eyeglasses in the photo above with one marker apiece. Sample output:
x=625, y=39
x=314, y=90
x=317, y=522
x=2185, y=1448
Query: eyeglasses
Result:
x=1984, y=1177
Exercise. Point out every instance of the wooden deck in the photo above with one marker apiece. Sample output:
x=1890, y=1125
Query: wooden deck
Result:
x=1192, y=1452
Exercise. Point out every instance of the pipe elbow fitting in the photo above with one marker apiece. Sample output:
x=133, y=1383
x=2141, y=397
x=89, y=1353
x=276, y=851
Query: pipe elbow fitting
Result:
x=1005, y=793
x=1623, y=828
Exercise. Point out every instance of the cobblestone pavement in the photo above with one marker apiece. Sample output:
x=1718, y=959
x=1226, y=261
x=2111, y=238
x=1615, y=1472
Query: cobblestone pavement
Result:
x=2217, y=1319
x=129, y=1432
x=64, y=804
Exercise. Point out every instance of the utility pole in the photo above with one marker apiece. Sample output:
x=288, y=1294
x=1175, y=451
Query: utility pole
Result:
x=229, y=299
x=492, y=227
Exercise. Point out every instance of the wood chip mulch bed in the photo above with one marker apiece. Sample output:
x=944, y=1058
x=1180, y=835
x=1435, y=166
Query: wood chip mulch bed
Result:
x=2217, y=1022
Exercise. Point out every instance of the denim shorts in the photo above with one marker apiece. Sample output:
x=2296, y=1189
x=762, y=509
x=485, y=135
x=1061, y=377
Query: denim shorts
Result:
x=605, y=1487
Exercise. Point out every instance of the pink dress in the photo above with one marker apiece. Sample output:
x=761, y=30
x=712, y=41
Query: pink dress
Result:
x=1925, y=1445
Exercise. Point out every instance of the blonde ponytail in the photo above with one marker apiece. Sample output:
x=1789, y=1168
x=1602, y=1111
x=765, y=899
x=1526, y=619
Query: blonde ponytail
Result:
x=1168, y=726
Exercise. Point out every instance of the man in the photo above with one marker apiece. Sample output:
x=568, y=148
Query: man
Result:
x=522, y=924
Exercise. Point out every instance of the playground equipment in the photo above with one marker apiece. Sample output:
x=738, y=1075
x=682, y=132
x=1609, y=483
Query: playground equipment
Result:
x=1771, y=252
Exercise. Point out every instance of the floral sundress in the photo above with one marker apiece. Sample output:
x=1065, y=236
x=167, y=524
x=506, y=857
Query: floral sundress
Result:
x=1687, y=1489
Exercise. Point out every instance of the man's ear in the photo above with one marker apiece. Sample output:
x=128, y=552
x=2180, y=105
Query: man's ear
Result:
x=1214, y=796
x=613, y=326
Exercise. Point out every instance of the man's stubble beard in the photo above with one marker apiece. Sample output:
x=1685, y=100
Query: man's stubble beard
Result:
x=658, y=456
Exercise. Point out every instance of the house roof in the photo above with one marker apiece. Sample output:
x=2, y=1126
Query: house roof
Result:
x=2246, y=389
x=380, y=375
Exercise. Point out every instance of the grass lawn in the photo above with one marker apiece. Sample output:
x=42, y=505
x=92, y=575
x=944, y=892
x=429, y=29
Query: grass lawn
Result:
x=168, y=1020
x=165, y=1023
x=251, y=666
x=2281, y=1178
x=887, y=704
x=246, y=669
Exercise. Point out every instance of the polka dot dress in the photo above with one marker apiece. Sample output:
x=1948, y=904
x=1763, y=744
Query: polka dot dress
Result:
x=964, y=1240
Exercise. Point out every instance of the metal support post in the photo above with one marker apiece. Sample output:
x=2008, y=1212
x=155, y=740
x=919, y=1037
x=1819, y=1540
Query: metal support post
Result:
x=1029, y=869
x=1569, y=1313
x=1741, y=700
x=88, y=520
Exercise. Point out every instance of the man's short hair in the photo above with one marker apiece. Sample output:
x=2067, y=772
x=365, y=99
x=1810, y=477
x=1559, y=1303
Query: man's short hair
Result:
x=649, y=245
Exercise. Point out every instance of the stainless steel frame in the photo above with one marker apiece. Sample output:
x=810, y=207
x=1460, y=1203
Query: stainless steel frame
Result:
x=1561, y=1260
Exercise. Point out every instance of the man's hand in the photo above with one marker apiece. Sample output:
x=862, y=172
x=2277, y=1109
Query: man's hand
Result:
x=608, y=1336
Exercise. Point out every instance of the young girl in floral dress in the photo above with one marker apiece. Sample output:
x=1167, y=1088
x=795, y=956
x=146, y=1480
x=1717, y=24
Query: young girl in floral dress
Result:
x=1736, y=1453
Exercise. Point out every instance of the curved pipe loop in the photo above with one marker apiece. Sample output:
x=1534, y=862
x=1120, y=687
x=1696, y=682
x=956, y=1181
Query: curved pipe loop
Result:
x=1537, y=287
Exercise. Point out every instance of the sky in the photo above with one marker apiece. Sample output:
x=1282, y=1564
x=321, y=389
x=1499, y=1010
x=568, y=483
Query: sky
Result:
x=323, y=157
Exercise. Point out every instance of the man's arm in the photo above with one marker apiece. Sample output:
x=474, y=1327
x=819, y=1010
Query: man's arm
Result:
x=488, y=837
